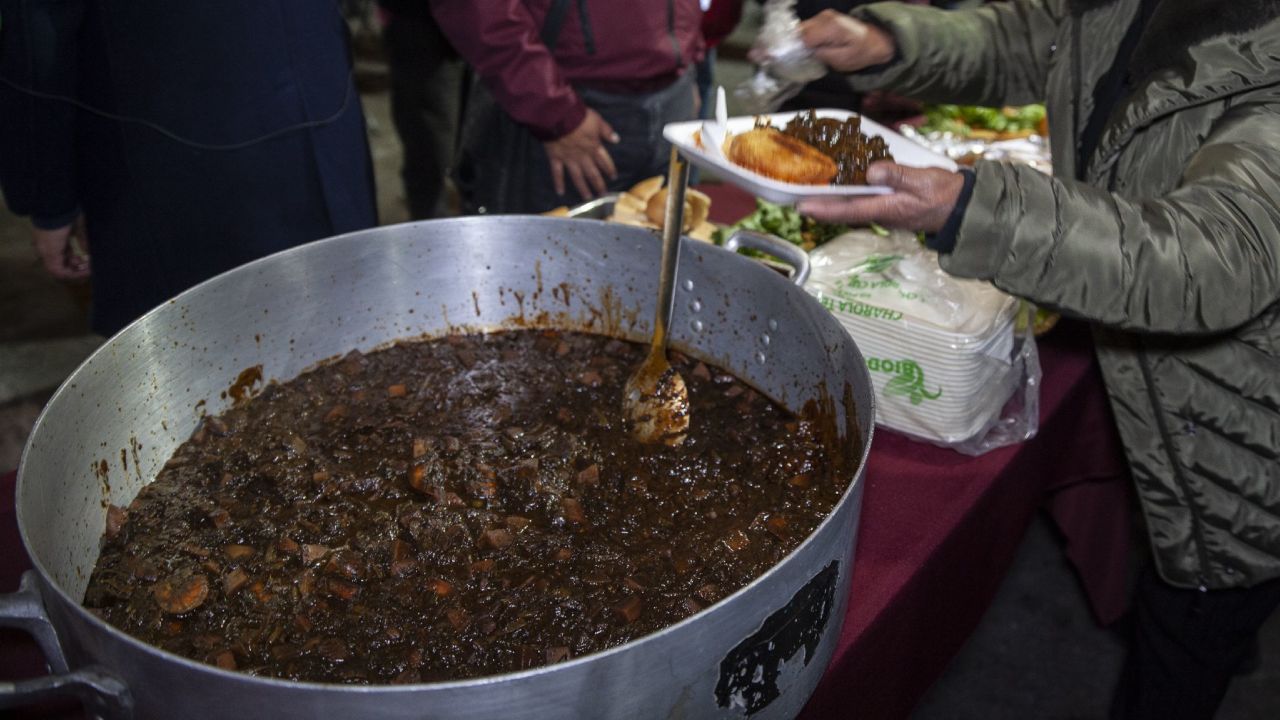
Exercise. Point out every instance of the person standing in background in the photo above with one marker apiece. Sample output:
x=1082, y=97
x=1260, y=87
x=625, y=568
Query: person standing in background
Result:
x=427, y=86
x=185, y=138
x=572, y=96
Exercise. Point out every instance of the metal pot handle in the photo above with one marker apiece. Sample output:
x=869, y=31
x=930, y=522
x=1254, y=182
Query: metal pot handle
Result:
x=103, y=695
x=775, y=246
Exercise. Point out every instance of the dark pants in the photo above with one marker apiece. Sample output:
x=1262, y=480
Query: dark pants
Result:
x=426, y=91
x=1186, y=646
x=503, y=168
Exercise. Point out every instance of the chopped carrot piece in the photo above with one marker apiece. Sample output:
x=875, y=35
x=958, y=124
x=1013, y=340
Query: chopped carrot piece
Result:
x=401, y=550
x=589, y=475
x=497, y=539
x=238, y=552
x=572, y=510
x=312, y=553
x=116, y=517
x=234, y=580
x=458, y=618
x=177, y=595
x=342, y=589
x=417, y=480
x=628, y=611
x=777, y=525
x=259, y=590
x=225, y=660
x=736, y=540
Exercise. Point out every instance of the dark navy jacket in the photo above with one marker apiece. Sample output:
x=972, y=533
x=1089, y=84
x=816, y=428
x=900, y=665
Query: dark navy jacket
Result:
x=162, y=213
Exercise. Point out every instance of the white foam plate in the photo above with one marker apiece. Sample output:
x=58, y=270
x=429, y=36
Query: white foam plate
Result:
x=681, y=134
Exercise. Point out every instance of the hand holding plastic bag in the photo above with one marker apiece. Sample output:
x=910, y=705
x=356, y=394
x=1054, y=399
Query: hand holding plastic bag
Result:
x=786, y=64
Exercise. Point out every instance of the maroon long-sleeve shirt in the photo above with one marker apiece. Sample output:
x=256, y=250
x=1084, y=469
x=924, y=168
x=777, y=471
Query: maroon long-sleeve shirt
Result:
x=639, y=45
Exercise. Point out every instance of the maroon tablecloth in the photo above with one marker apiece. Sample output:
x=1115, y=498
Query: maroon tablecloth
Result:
x=938, y=532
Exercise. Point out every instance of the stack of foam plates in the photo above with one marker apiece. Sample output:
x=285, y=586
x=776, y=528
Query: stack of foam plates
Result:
x=939, y=348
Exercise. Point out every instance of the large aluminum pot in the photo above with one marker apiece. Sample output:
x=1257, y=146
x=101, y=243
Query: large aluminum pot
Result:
x=114, y=422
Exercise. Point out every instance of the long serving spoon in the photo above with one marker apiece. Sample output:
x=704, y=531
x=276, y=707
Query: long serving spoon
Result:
x=656, y=399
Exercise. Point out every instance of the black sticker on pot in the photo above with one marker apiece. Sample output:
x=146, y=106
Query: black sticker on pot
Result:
x=749, y=673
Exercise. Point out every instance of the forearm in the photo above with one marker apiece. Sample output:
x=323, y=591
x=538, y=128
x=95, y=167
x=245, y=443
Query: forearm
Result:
x=501, y=42
x=1159, y=265
x=38, y=52
x=993, y=55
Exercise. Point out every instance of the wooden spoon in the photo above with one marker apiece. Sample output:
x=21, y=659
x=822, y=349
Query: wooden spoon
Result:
x=656, y=399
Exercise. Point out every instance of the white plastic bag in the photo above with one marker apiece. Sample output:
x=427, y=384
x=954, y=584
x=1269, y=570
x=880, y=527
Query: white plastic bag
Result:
x=786, y=64
x=948, y=361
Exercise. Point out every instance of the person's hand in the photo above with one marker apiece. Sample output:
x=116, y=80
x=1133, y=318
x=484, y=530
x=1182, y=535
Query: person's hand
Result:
x=922, y=199
x=844, y=43
x=64, y=251
x=583, y=156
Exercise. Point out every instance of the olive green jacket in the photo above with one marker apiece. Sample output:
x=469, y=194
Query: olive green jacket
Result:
x=1171, y=244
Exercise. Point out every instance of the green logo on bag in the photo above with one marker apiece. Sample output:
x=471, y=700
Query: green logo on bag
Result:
x=868, y=277
x=876, y=264
x=908, y=379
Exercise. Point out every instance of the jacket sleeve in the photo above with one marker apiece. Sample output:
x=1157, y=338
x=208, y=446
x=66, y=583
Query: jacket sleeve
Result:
x=38, y=52
x=1200, y=259
x=993, y=55
x=501, y=41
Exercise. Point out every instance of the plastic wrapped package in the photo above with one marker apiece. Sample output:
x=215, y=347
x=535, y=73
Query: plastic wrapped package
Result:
x=786, y=64
x=1032, y=150
x=947, y=362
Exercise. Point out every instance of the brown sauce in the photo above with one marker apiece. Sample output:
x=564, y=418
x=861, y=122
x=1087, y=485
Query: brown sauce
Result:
x=842, y=141
x=456, y=508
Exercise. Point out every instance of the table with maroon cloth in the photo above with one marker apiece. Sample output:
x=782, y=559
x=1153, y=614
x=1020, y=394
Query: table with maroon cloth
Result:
x=938, y=532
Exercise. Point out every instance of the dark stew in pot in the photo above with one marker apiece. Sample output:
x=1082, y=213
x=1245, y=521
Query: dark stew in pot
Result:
x=455, y=508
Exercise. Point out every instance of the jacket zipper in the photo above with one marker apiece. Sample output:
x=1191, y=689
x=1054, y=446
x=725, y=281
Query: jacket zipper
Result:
x=1197, y=527
x=1077, y=72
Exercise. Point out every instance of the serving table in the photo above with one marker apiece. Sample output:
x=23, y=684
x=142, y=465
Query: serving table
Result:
x=939, y=529
x=937, y=534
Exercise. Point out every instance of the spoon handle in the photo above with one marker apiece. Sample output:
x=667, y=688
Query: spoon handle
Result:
x=672, y=223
